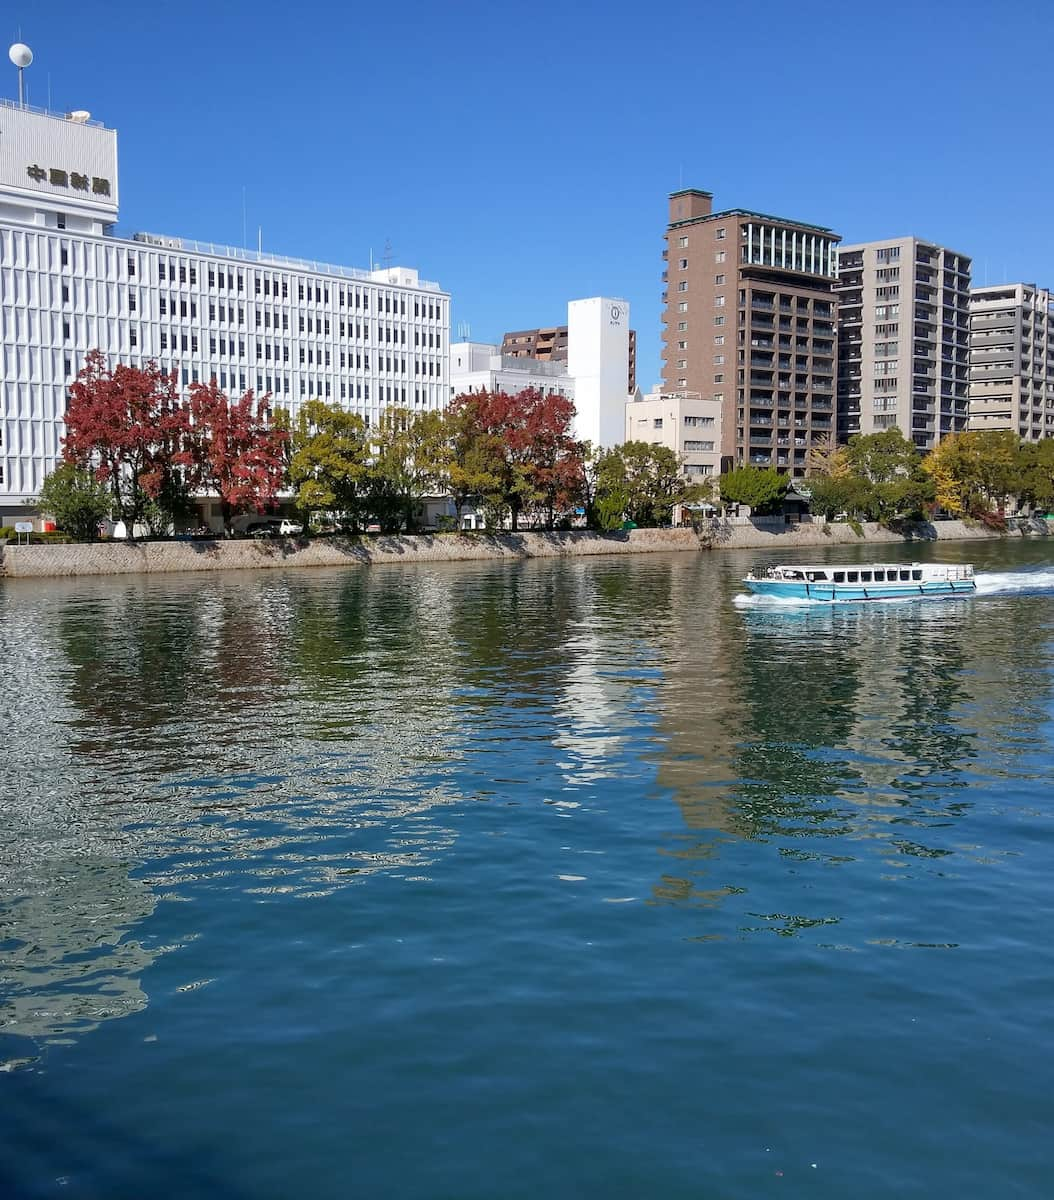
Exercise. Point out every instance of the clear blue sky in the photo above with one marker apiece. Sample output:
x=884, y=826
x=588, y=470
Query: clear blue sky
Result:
x=522, y=156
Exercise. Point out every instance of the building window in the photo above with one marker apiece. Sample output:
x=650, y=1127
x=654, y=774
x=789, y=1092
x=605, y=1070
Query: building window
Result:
x=720, y=396
x=682, y=326
x=60, y=220
x=722, y=232
x=719, y=302
x=719, y=320
x=719, y=379
x=719, y=256
x=683, y=285
x=682, y=364
x=719, y=360
x=683, y=264
x=719, y=279
x=682, y=306
x=719, y=339
x=657, y=423
x=682, y=242
x=682, y=345
x=682, y=382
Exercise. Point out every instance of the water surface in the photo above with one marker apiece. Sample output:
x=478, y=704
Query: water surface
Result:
x=566, y=877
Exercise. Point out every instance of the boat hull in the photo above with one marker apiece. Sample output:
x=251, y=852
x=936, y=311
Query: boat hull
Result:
x=784, y=589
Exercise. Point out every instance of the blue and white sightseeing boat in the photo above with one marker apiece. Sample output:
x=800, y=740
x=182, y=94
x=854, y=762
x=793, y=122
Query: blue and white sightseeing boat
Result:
x=879, y=581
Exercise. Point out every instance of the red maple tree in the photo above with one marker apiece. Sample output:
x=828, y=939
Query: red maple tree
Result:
x=237, y=453
x=129, y=425
x=530, y=452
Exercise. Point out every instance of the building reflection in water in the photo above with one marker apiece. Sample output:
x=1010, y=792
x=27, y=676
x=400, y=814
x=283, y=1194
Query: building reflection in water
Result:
x=837, y=733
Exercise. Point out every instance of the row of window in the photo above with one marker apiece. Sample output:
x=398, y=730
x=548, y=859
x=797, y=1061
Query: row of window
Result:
x=266, y=286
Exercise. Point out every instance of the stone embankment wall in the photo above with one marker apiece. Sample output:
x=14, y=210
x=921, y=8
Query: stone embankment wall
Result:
x=120, y=558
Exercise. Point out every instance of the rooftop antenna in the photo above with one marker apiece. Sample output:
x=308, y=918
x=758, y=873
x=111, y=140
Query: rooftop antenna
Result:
x=21, y=55
x=387, y=259
x=259, y=239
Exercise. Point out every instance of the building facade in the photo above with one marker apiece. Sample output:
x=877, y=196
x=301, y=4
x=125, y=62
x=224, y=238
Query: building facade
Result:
x=550, y=345
x=903, y=339
x=1012, y=359
x=749, y=322
x=685, y=422
x=298, y=330
x=482, y=367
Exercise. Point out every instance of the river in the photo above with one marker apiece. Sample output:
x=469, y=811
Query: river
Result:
x=575, y=878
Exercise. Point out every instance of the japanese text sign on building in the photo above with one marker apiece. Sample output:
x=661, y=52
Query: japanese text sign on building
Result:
x=71, y=179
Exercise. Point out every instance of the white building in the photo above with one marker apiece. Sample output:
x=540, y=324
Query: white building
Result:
x=597, y=353
x=685, y=422
x=298, y=330
x=481, y=367
x=1012, y=359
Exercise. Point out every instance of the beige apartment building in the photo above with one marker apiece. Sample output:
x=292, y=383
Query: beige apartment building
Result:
x=1012, y=359
x=749, y=322
x=903, y=339
x=685, y=422
x=550, y=345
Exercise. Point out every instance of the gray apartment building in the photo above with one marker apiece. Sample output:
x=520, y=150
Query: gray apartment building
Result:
x=1012, y=359
x=749, y=321
x=903, y=339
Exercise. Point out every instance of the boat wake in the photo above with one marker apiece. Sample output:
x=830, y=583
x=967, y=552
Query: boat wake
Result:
x=994, y=583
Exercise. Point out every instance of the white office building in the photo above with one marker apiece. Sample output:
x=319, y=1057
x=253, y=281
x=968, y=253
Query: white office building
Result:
x=299, y=330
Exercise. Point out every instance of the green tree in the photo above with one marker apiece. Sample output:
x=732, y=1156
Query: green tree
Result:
x=77, y=499
x=881, y=457
x=979, y=470
x=1036, y=485
x=641, y=482
x=328, y=463
x=763, y=488
x=835, y=494
x=407, y=463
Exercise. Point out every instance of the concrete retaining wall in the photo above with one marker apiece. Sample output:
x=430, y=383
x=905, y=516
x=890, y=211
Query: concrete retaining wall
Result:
x=119, y=558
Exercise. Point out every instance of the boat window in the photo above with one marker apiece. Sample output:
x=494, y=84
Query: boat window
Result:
x=880, y=577
x=917, y=573
x=839, y=577
x=865, y=576
x=905, y=575
x=852, y=576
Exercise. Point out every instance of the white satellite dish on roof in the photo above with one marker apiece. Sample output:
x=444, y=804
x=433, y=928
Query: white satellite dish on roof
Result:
x=79, y=116
x=21, y=56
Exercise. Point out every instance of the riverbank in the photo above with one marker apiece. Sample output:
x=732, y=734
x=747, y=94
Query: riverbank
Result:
x=121, y=558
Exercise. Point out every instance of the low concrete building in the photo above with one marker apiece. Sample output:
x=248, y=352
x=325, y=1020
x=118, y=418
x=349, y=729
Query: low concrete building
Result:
x=481, y=367
x=689, y=424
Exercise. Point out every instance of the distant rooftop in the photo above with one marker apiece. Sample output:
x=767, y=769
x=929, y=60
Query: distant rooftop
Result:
x=46, y=112
x=746, y=212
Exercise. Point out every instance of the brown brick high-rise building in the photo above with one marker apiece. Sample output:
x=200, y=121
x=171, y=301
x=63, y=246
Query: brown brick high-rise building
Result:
x=550, y=345
x=749, y=320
